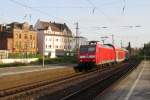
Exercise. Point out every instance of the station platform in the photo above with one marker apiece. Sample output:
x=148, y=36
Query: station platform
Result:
x=134, y=86
x=33, y=68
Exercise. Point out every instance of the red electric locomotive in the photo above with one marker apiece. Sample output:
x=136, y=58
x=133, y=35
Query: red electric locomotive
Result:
x=96, y=54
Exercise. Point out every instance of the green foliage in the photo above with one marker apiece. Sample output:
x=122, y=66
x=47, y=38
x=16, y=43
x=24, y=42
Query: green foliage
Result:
x=65, y=59
x=145, y=52
x=23, y=55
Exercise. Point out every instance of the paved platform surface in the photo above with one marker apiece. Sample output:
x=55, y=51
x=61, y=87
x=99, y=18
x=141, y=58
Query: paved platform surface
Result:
x=26, y=69
x=135, y=86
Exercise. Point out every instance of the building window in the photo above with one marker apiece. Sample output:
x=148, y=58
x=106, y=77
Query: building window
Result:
x=56, y=46
x=49, y=39
x=50, y=46
x=49, y=32
x=31, y=37
x=16, y=44
x=46, y=45
x=57, y=40
x=20, y=36
x=33, y=45
x=25, y=46
x=16, y=35
x=25, y=36
x=19, y=44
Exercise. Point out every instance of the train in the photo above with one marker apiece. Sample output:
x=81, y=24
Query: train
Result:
x=95, y=54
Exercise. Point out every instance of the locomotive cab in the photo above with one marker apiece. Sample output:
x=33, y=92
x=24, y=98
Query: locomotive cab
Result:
x=87, y=56
x=87, y=53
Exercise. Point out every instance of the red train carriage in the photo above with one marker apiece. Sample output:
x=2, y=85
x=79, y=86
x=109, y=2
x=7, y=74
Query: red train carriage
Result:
x=96, y=54
x=120, y=54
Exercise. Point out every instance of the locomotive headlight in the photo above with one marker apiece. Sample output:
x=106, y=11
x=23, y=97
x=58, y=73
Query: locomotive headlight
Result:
x=82, y=56
x=92, y=56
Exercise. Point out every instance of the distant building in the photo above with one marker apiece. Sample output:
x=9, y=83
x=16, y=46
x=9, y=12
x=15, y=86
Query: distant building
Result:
x=53, y=38
x=18, y=37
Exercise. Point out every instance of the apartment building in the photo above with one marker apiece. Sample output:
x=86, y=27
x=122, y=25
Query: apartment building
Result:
x=18, y=37
x=53, y=38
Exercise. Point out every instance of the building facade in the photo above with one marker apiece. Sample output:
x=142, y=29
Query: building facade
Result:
x=53, y=38
x=18, y=37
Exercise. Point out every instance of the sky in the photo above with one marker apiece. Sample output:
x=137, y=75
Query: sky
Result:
x=127, y=20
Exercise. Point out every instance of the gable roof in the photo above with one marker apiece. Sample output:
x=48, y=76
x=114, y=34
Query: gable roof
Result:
x=57, y=27
x=44, y=25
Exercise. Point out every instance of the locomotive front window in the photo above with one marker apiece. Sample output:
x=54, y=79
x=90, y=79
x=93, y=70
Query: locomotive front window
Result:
x=91, y=49
x=83, y=50
x=87, y=49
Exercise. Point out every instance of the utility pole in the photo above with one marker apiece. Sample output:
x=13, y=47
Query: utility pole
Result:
x=113, y=41
x=77, y=36
x=129, y=48
x=121, y=44
x=43, y=50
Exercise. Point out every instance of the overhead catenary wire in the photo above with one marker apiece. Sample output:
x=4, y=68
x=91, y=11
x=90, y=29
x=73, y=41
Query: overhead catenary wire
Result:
x=102, y=12
x=36, y=10
x=26, y=6
x=106, y=16
x=76, y=7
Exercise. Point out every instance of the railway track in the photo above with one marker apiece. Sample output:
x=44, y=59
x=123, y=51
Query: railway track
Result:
x=100, y=85
x=80, y=87
x=31, y=89
x=41, y=89
x=22, y=88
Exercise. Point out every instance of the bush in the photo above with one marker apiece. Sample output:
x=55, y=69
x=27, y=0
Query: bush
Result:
x=65, y=59
x=23, y=55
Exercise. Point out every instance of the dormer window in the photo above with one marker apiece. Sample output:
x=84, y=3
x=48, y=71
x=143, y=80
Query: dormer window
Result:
x=25, y=36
